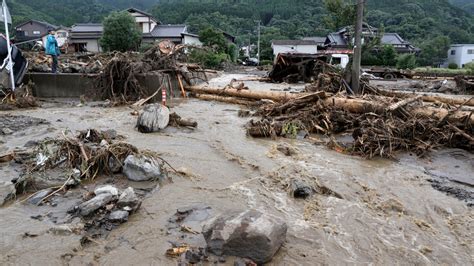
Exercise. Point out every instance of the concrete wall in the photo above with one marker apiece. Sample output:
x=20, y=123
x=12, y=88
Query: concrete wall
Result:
x=302, y=49
x=48, y=85
x=191, y=40
x=463, y=54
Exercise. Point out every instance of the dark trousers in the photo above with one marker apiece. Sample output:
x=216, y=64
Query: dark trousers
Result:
x=54, y=67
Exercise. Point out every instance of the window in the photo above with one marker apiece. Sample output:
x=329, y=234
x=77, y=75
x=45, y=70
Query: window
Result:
x=25, y=33
x=470, y=51
x=453, y=52
x=36, y=32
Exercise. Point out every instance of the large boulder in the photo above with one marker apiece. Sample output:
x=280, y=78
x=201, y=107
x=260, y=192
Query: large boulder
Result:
x=142, y=168
x=154, y=117
x=250, y=234
x=7, y=191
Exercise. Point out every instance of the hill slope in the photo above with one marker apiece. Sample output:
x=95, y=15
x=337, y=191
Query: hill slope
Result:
x=427, y=23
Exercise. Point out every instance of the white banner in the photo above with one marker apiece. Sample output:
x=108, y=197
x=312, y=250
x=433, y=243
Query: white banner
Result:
x=2, y=17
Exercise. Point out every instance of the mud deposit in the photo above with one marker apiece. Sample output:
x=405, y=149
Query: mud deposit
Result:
x=361, y=211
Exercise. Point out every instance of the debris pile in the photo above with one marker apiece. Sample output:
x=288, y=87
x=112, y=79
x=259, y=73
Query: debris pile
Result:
x=293, y=68
x=380, y=126
x=85, y=64
x=65, y=162
x=117, y=72
x=465, y=84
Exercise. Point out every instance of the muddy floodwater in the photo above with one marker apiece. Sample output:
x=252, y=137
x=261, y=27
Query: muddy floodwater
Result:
x=364, y=212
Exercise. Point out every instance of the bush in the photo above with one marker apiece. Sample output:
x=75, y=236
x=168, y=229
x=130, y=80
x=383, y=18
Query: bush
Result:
x=121, y=33
x=266, y=63
x=388, y=55
x=453, y=66
x=232, y=52
x=406, y=61
x=145, y=47
x=470, y=68
x=207, y=58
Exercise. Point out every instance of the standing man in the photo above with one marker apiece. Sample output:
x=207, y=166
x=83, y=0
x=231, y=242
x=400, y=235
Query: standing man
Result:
x=52, y=49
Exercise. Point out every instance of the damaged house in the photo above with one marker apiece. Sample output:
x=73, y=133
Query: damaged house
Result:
x=343, y=40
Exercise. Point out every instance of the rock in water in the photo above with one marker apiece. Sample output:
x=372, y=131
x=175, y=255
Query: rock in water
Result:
x=39, y=196
x=128, y=198
x=90, y=206
x=7, y=191
x=153, y=118
x=250, y=234
x=118, y=216
x=142, y=168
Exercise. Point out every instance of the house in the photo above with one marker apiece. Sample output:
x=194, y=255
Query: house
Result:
x=191, y=39
x=343, y=40
x=145, y=21
x=166, y=32
x=318, y=40
x=461, y=54
x=85, y=37
x=294, y=46
x=32, y=30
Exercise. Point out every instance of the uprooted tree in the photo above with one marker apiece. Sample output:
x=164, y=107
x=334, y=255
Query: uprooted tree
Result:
x=120, y=33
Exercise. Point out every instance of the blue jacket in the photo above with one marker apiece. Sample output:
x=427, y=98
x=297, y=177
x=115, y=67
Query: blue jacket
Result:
x=52, y=46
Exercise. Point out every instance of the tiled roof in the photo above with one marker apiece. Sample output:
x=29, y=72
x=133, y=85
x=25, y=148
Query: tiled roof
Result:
x=315, y=39
x=168, y=31
x=88, y=27
x=293, y=42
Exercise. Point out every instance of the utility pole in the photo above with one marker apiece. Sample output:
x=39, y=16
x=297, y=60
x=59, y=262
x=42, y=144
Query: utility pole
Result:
x=357, y=48
x=258, y=44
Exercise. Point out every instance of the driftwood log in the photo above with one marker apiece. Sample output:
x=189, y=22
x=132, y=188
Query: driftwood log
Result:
x=249, y=94
x=352, y=105
x=226, y=99
x=467, y=101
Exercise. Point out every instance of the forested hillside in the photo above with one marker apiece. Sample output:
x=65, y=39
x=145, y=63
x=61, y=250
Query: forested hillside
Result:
x=430, y=24
x=467, y=5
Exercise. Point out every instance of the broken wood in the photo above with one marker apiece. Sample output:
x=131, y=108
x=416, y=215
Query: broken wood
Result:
x=402, y=103
x=232, y=100
x=429, y=98
x=249, y=94
x=181, y=86
x=363, y=106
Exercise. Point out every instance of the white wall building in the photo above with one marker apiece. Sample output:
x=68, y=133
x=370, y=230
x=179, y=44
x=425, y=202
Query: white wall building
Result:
x=294, y=46
x=145, y=21
x=191, y=39
x=461, y=54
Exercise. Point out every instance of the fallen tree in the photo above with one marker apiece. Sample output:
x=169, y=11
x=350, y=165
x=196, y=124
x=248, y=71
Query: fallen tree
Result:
x=249, y=94
x=469, y=101
x=353, y=105
x=378, y=128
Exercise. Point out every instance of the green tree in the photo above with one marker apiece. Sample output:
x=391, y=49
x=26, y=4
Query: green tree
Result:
x=341, y=13
x=388, y=55
x=121, y=33
x=406, y=61
x=434, y=50
x=214, y=39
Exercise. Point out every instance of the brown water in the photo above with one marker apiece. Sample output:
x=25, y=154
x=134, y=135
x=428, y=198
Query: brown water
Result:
x=366, y=212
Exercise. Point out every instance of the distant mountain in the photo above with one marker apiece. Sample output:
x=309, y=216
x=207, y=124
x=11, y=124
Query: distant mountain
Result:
x=467, y=5
x=426, y=23
x=123, y=4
